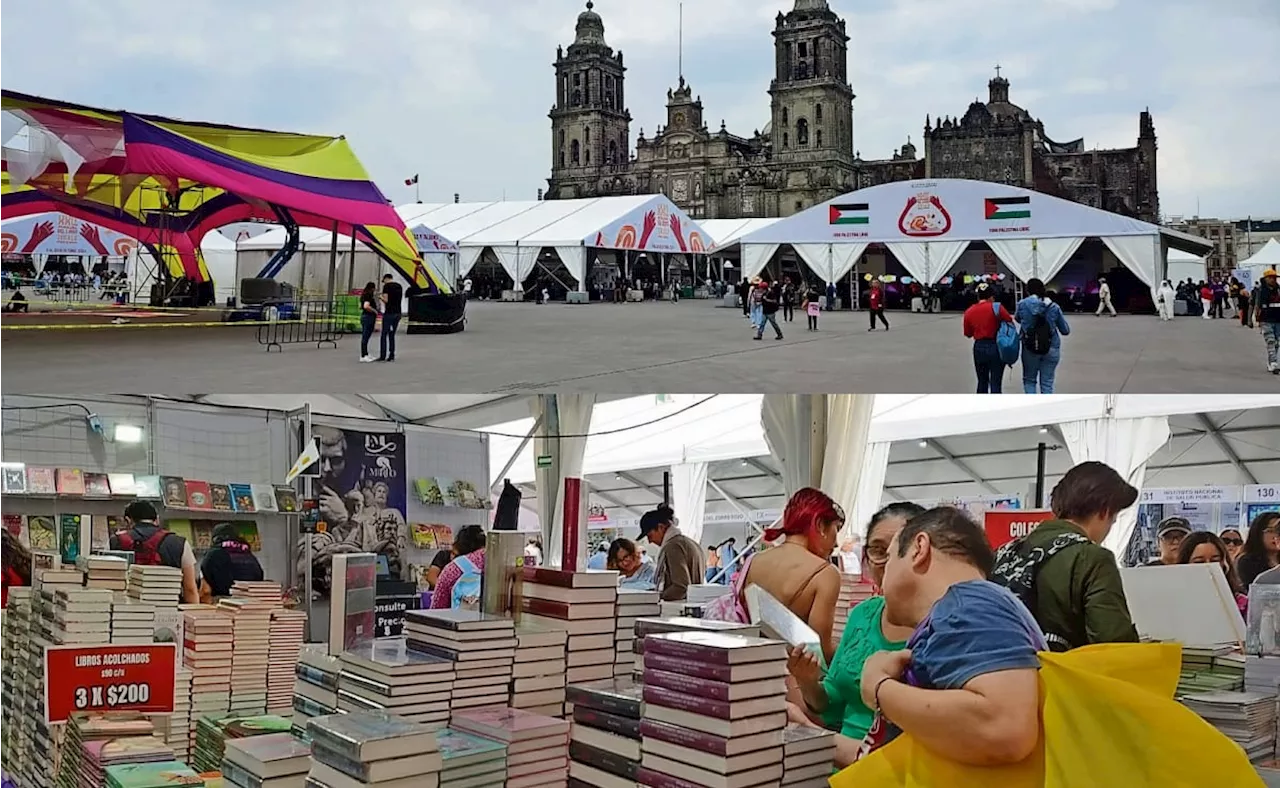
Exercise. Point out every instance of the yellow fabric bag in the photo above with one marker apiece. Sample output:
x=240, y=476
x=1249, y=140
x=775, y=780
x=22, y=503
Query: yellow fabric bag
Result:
x=1109, y=720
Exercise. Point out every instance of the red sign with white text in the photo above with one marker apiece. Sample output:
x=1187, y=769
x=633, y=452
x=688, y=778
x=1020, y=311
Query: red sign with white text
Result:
x=108, y=678
x=1005, y=525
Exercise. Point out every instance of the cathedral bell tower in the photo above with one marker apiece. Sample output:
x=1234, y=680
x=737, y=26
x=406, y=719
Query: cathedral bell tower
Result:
x=590, y=125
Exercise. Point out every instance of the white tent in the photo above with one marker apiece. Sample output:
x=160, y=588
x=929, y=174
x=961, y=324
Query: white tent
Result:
x=1266, y=257
x=1183, y=266
x=928, y=225
x=725, y=233
x=220, y=259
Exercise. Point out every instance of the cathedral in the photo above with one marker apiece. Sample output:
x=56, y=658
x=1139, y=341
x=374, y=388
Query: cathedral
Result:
x=806, y=154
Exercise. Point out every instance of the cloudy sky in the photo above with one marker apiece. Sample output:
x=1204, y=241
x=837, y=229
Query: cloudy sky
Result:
x=459, y=90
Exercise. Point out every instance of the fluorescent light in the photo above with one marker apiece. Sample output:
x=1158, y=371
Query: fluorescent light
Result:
x=924, y=444
x=1044, y=430
x=128, y=433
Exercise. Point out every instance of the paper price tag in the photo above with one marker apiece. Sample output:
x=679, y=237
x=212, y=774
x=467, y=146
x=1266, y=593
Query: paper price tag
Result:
x=108, y=678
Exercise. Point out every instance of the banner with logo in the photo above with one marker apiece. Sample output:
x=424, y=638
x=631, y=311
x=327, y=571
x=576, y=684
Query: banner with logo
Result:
x=361, y=495
x=1003, y=526
x=57, y=233
x=657, y=225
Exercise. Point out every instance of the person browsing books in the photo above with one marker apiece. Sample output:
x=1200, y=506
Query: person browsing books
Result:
x=1261, y=549
x=624, y=558
x=835, y=699
x=441, y=560
x=1169, y=535
x=1062, y=573
x=154, y=546
x=228, y=561
x=459, y=584
x=1203, y=547
x=679, y=563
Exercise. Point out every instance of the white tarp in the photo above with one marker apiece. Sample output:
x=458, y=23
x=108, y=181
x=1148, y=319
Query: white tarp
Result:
x=928, y=261
x=830, y=262
x=1266, y=257
x=724, y=233
x=1035, y=258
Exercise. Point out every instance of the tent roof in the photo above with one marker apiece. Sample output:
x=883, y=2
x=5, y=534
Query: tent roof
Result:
x=726, y=232
x=1266, y=257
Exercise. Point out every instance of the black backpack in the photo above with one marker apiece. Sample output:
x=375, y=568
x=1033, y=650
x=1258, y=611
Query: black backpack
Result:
x=1038, y=338
x=1017, y=566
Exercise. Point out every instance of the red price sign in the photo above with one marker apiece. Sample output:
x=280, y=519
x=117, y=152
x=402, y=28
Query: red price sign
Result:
x=108, y=678
x=1005, y=525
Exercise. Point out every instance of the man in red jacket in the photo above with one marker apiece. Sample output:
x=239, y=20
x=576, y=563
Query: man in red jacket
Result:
x=876, y=301
x=981, y=324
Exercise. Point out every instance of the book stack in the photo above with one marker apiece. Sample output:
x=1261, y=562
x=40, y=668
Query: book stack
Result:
x=82, y=616
x=584, y=604
x=175, y=728
x=288, y=629
x=537, y=745
x=714, y=710
x=657, y=626
x=1261, y=674
x=384, y=675
x=159, y=585
x=1247, y=718
x=315, y=688
x=355, y=750
x=132, y=623
x=482, y=648
x=17, y=681
x=104, y=571
x=1210, y=669
x=250, y=654
x=273, y=760
x=212, y=734
x=52, y=579
x=263, y=591
x=471, y=761
x=853, y=592
x=605, y=747
x=538, y=675
x=633, y=605
x=206, y=655
x=162, y=774
x=96, y=742
x=808, y=756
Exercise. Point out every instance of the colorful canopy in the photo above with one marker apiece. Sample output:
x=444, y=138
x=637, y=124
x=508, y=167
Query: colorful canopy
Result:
x=168, y=183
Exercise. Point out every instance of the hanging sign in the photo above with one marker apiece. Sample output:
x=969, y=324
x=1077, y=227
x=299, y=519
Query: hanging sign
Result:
x=1004, y=526
x=1190, y=495
x=1262, y=493
x=108, y=678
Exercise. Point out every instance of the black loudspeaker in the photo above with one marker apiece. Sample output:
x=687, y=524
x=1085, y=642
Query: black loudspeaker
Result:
x=261, y=291
x=437, y=314
x=506, y=516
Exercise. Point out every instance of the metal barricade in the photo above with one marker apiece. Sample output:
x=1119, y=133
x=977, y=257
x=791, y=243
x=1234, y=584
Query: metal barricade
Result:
x=300, y=323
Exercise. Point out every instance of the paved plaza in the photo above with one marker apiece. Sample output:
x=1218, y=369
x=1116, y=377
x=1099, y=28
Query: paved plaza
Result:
x=636, y=348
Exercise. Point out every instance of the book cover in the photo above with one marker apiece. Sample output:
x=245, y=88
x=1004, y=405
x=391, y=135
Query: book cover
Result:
x=41, y=481
x=15, y=480
x=199, y=496
x=102, y=526
x=428, y=492
x=620, y=695
x=97, y=485
x=458, y=620
x=162, y=774
x=798, y=738
x=42, y=532
x=148, y=487
x=447, y=491
x=715, y=647
x=355, y=735
x=122, y=484
x=424, y=536
x=467, y=496
x=70, y=481
x=507, y=724
x=17, y=528
x=174, y=489
x=458, y=746
x=220, y=498
x=286, y=498
x=242, y=497
x=710, y=670
x=444, y=536
x=184, y=528
x=567, y=579
x=352, y=600
x=603, y=760
x=264, y=498
x=248, y=530
x=613, y=723
x=69, y=537
x=708, y=688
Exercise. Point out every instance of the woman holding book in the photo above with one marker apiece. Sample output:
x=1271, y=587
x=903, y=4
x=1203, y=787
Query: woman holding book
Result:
x=1261, y=548
x=835, y=699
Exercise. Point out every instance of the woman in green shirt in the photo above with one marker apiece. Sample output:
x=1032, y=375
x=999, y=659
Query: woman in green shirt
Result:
x=836, y=698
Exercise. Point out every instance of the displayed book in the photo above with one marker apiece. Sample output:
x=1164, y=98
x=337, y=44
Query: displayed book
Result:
x=1247, y=718
x=465, y=493
x=286, y=498
x=122, y=484
x=371, y=736
x=1191, y=604
x=716, y=648
x=16, y=525
x=352, y=600
x=622, y=696
x=199, y=496
x=97, y=485
x=14, y=479
x=42, y=532
x=163, y=774
x=448, y=492
x=423, y=535
x=466, y=756
x=41, y=481
x=264, y=497
x=568, y=579
x=220, y=498
x=148, y=487
x=777, y=621
x=70, y=481
x=242, y=497
x=428, y=492
x=267, y=757
x=508, y=725
x=69, y=537
x=174, y=491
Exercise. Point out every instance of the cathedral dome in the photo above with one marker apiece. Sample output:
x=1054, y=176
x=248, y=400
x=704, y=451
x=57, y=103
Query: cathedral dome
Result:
x=590, y=26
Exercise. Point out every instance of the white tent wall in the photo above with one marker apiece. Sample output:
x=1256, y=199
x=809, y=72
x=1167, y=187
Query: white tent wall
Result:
x=1141, y=255
x=755, y=257
x=928, y=261
x=220, y=259
x=830, y=262
x=467, y=259
x=575, y=260
x=1266, y=257
x=848, y=457
x=689, y=497
x=1035, y=258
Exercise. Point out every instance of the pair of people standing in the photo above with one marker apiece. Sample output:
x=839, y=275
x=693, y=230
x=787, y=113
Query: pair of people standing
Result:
x=1043, y=326
x=765, y=300
x=390, y=304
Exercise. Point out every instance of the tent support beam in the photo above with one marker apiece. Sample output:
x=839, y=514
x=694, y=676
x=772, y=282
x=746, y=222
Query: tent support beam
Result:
x=604, y=496
x=654, y=491
x=735, y=502
x=960, y=465
x=515, y=455
x=364, y=402
x=425, y=421
x=766, y=470
x=1225, y=448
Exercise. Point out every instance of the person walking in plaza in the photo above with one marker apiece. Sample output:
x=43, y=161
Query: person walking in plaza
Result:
x=770, y=297
x=755, y=297
x=875, y=300
x=812, y=308
x=1206, y=300
x=744, y=293
x=1104, y=297
x=788, y=300
x=1266, y=313
x=392, y=310
x=368, y=319
x=981, y=324
x=1165, y=298
x=1043, y=326
x=1243, y=301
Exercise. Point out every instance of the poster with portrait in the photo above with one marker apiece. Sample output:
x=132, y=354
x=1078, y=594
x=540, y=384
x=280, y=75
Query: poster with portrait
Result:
x=360, y=491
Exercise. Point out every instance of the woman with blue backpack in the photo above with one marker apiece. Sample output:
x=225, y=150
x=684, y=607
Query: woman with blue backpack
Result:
x=995, y=340
x=1043, y=326
x=458, y=586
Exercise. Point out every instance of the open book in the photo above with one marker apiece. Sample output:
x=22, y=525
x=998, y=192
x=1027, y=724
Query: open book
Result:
x=777, y=621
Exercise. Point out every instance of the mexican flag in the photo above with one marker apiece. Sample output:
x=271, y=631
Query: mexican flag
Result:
x=851, y=213
x=1008, y=208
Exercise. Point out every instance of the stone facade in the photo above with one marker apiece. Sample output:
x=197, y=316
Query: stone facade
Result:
x=806, y=154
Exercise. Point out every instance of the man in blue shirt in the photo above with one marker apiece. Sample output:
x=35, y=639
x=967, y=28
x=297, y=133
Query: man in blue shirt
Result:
x=600, y=558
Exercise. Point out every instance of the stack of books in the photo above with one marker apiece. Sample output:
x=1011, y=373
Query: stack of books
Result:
x=104, y=571
x=537, y=745
x=82, y=616
x=1247, y=718
x=633, y=605
x=162, y=774
x=212, y=734
x=1212, y=669
x=161, y=585
x=251, y=653
x=808, y=756
x=656, y=626
x=274, y=760
x=605, y=747
x=482, y=648
x=315, y=689
x=17, y=681
x=288, y=629
x=714, y=710
x=538, y=675
x=206, y=655
x=356, y=750
x=175, y=728
x=264, y=591
x=95, y=741
x=132, y=623
x=63, y=577
x=384, y=675
x=853, y=591
x=471, y=761
x=1262, y=674
x=584, y=604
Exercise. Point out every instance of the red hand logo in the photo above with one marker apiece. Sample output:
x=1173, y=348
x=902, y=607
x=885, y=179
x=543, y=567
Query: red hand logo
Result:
x=91, y=234
x=675, y=228
x=39, y=233
x=650, y=224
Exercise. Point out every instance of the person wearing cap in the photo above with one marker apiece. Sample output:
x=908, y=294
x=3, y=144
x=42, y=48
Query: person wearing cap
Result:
x=1104, y=298
x=982, y=324
x=1170, y=533
x=679, y=563
x=1266, y=313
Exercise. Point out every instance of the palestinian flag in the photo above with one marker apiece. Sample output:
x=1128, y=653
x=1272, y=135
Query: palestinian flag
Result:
x=851, y=213
x=1008, y=208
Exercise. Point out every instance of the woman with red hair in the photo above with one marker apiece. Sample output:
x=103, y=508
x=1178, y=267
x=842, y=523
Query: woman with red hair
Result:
x=797, y=570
